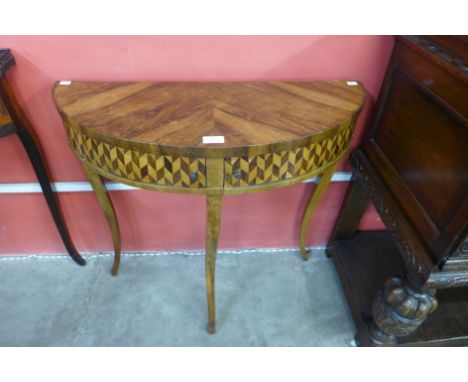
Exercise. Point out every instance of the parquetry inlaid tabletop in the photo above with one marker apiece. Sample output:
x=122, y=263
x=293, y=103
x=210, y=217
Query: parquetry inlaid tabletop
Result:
x=172, y=114
x=210, y=138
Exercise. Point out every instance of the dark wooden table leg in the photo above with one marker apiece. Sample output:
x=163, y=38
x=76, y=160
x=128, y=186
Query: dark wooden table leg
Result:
x=33, y=152
x=25, y=131
x=354, y=204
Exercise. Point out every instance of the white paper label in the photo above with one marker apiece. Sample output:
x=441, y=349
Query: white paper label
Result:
x=213, y=139
x=65, y=83
x=352, y=83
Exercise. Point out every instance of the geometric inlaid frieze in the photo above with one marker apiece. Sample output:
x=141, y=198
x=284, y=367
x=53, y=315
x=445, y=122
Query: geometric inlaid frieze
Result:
x=139, y=166
x=242, y=171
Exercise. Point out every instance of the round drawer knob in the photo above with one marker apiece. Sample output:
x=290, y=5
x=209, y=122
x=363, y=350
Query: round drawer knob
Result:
x=193, y=176
x=237, y=174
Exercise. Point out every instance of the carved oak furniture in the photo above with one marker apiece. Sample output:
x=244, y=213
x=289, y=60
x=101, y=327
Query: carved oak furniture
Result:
x=209, y=138
x=413, y=167
x=14, y=121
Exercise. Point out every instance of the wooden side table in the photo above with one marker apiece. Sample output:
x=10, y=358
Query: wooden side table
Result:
x=14, y=121
x=209, y=138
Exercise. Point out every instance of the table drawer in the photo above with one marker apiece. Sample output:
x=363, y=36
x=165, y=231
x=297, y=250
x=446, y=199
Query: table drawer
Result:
x=245, y=171
x=139, y=166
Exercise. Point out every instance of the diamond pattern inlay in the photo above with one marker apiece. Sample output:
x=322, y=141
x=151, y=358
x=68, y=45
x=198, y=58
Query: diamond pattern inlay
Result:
x=273, y=167
x=140, y=166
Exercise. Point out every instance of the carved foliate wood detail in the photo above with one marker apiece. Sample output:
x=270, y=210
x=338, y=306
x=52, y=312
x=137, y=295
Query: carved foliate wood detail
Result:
x=399, y=310
x=139, y=166
x=273, y=167
x=393, y=221
x=442, y=53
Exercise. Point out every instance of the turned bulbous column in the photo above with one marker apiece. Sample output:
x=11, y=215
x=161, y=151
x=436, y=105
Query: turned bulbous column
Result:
x=399, y=310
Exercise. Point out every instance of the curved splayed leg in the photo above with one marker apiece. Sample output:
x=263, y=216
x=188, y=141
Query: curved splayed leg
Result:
x=311, y=206
x=106, y=205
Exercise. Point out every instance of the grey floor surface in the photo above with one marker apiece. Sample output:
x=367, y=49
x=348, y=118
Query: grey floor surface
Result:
x=263, y=299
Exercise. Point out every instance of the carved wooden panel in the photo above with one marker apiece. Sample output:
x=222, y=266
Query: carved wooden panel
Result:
x=139, y=166
x=425, y=142
x=419, y=267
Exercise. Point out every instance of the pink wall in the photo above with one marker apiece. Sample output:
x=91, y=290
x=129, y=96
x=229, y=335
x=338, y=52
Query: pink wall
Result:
x=160, y=221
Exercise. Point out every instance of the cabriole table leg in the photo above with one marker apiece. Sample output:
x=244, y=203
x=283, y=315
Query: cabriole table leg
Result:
x=106, y=205
x=312, y=205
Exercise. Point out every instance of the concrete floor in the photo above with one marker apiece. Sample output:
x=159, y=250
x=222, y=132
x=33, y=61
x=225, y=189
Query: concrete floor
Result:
x=263, y=299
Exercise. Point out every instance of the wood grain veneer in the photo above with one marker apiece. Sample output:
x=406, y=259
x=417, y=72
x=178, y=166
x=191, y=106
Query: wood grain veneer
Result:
x=269, y=116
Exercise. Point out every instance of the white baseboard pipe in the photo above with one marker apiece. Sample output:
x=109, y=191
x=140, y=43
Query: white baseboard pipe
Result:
x=26, y=188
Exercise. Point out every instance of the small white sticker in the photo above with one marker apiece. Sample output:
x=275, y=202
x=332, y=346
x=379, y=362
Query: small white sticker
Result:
x=213, y=139
x=352, y=83
x=65, y=83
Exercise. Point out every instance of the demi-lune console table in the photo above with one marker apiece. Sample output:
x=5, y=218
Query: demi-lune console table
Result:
x=212, y=138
